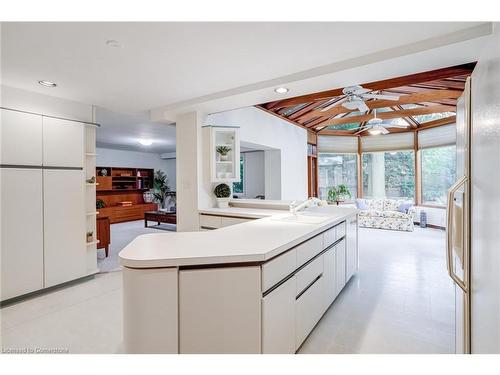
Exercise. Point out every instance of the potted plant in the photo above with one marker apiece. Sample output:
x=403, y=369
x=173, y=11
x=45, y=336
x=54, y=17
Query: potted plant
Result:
x=338, y=194
x=90, y=236
x=222, y=193
x=223, y=152
x=161, y=188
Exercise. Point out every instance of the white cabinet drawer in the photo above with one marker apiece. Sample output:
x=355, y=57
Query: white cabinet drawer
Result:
x=329, y=237
x=208, y=221
x=227, y=221
x=309, y=249
x=278, y=268
x=278, y=319
x=340, y=266
x=310, y=272
x=340, y=230
x=308, y=311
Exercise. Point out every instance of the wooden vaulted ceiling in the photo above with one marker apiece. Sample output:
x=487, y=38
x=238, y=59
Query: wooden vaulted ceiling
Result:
x=426, y=100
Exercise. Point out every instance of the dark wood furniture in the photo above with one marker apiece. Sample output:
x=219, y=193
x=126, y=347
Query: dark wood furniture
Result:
x=103, y=233
x=121, y=184
x=160, y=217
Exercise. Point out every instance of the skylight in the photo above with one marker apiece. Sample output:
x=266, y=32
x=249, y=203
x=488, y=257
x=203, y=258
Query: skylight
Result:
x=348, y=126
x=432, y=116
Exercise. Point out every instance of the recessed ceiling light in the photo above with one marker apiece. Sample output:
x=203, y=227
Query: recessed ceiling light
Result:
x=145, y=142
x=47, y=83
x=113, y=43
x=281, y=90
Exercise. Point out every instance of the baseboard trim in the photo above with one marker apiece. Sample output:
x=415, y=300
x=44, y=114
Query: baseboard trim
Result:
x=39, y=292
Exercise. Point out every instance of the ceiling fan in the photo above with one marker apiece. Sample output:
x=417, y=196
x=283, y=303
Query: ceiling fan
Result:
x=377, y=126
x=354, y=98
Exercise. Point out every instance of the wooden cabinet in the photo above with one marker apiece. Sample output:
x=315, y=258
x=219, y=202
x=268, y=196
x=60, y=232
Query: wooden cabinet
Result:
x=22, y=232
x=118, y=214
x=64, y=226
x=21, y=138
x=103, y=233
x=351, y=247
x=63, y=143
x=278, y=324
x=104, y=183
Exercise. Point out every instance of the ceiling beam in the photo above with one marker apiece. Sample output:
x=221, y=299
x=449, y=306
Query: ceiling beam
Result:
x=336, y=132
x=426, y=96
x=393, y=114
x=380, y=85
x=306, y=109
x=438, y=122
x=281, y=117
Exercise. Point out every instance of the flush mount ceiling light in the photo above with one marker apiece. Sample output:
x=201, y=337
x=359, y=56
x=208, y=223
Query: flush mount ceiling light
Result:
x=281, y=90
x=47, y=83
x=145, y=142
x=113, y=43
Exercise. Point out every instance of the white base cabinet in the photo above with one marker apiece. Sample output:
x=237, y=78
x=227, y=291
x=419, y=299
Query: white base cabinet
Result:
x=352, y=257
x=278, y=325
x=22, y=232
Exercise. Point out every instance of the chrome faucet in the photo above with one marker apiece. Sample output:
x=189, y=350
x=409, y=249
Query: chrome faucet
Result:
x=311, y=202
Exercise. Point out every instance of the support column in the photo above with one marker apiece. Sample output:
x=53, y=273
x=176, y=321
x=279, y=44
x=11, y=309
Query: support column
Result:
x=188, y=170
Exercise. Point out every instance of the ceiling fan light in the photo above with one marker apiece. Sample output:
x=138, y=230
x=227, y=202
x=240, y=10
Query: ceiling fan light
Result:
x=375, y=130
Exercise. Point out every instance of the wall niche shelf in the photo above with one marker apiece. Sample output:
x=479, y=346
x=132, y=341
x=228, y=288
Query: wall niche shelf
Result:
x=95, y=242
x=226, y=171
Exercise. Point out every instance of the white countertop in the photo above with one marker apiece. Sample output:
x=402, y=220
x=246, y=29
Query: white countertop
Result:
x=253, y=241
x=251, y=213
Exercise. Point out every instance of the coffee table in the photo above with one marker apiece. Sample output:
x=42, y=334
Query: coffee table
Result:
x=159, y=217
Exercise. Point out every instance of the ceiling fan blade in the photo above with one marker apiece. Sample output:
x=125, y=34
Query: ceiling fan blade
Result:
x=384, y=130
x=334, y=104
x=362, y=106
x=379, y=96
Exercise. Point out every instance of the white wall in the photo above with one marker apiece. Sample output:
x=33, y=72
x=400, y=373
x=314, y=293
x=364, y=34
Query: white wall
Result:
x=107, y=157
x=254, y=174
x=28, y=101
x=261, y=128
x=435, y=216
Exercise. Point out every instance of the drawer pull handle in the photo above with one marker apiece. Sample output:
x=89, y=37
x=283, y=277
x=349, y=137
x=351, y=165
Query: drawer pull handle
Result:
x=310, y=285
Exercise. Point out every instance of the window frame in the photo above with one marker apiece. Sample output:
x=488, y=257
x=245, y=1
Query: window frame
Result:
x=356, y=172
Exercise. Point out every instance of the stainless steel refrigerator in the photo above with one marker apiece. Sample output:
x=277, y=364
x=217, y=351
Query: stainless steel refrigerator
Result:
x=473, y=209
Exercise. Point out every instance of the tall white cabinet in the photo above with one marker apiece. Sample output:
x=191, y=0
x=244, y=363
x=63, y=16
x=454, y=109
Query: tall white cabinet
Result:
x=43, y=197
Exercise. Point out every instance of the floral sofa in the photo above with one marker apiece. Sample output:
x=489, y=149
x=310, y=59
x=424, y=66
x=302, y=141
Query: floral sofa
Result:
x=386, y=214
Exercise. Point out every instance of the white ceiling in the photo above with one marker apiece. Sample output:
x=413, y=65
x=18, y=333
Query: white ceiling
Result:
x=214, y=66
x=123, y=130
x=161, y=64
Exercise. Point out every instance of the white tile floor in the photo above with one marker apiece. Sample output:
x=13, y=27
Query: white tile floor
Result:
x=401, y=301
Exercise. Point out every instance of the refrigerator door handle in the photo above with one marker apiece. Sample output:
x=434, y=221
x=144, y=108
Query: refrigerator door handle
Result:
x=449, y=233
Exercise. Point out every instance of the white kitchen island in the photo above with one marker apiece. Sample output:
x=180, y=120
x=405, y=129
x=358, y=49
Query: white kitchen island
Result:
x=255, y=287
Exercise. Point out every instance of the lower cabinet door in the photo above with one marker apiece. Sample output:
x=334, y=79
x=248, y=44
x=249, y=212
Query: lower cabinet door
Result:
x=351, y=248
x=64, y=226
x=340, y=266
x=278, y=319
x=22, y=232
x=329, y=283
x=308, y=310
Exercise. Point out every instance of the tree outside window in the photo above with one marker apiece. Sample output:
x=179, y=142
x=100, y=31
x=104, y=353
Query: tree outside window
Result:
x=238, y=186
x=389, y=174
x=336, y=169
x=438, y=173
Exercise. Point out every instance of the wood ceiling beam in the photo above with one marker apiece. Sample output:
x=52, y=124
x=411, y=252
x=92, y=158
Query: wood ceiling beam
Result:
x=438, y=122
x=393, y=114
x=306, y=109
x=344, y=133
x=409, y=120
x=380, y=85
x=427, y=96
x=281, y=117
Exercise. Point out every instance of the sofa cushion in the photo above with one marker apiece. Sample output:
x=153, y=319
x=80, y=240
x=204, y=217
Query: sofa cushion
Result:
x=394, y=214
x=371, y=213
x=375, y=204
x=391, y=204
x=405, y=206
x=361, y=204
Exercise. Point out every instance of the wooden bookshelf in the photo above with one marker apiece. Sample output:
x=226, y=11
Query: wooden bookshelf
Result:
x=119, y=184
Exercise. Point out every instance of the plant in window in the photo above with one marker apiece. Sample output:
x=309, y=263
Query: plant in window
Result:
x=338, y=194
x=223, y=152
x=90, y=236
x=222, y=193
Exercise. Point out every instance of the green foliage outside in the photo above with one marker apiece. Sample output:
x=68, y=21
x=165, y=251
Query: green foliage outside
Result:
x=438, y=173
x=238, y=186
